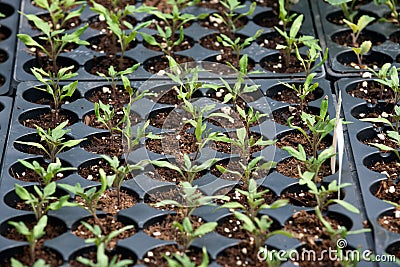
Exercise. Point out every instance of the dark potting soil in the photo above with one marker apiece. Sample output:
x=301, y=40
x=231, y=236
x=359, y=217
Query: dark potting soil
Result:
x=390, y=223
x=289, y=168
x=388, y=190
x=103, y=63
x=173, y=144
x=229, y=149
x=45, y=120
x=91, y=171
x=186, y=43
x=169, y=96
x=268, y=197
x=289, y=95
x=213, y=23
x=107, y=44
x=108, y=201
x=282, y=116
x=306, y=226
x=47, y=255
x=390, y=169
x=234, y=165
x=344, y=38
x=371, y=92
x=169, y=175
x=101, y=25
x=109, y=224
x=170, y=194
x=381, y=138
x=277, y=65
x=68, y=25
x=154, y=257
x=92, y=121
x=156, y=64
x=244, y=254
x=28, y=175
x=112, y=146
x=232, y=228
x=304, y=198
x=104, y=94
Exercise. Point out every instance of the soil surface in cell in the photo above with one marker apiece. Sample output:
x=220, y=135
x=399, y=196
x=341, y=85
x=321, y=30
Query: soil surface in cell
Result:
x=154, y=257
x=371, y=91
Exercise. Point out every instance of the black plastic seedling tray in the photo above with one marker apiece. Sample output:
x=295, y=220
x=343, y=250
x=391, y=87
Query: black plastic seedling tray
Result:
x=384, y=32
x=6, y=104
x=82, y=55
x=8, y=31
x=142, y=215
x=363, y=155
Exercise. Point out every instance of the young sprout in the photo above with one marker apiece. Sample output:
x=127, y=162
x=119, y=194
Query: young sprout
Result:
x=101, y=238
x=394, y=136
x=284, y=16
x=90, y=196
x=115, y=24
x=392, y=81
x=42, y=200
x=182, y=260
x=392, y=5
x=362, y=22
x=192, y=199
x=243, y=142
x=199, y=122
x=322, y=193
x=318, y=126
x=236, y=44
x=102, y=260
x=105, y=114
x=257, y=227
x=364, y=48
x=304, y=89
x=249, y=169
x=59, y=11
x=114, y=76
x=38, y=263
x=189, y=170
x=54, y=140
x=46, y=175
x=382, y=74
x=249, y=117
x=120, y=173
x=348, y=11
x=56, y=39
x=174, y=23
x=32, y=236
x=313, y=54
x=292, y=40
x=230, y=15
x=239, y=89
x=52, y=80
x=336, y=235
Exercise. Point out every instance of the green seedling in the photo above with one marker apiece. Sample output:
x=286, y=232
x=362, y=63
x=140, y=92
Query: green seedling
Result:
x=182, y=260
x=392, y=81
x=249, y=117
x=236, y=44
x=32, y=236
x=257, y=227
x=249, y=169
x=361, y=51
x=382, y=74
x=362, y=22
x=189, y=169
x=105, y=114
x=89, y=196
x=244, y=142
x=38, y=263
x=55, y=141
x=284, y=16
x=120, y=173
x=122, y=38
x=114, y=76
x=394, y=136
x=304, y=89
x=189, y=233
x=51, y=81
x=348, y=10
x=57, y=40
x=392, y=5
x=239, y=89
x=231, y=16
x=313, y=53
x=102, y=260
x=318, y=126
x=46, y=175
x=322, y=193
x=42, y=200
x=59, y=11
x=192, y=198
x=292, y=40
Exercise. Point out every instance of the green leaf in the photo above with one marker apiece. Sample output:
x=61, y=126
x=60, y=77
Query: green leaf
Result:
x=205, y=229
x=347, y=206
x=365, y=47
